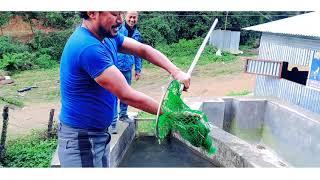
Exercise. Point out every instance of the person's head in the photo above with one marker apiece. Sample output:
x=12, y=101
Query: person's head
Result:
x=103, y=23
x=295, y=69
x=132, y=18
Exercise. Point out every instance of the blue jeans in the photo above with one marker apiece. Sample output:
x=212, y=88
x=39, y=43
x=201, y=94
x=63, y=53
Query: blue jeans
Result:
x=123, y=106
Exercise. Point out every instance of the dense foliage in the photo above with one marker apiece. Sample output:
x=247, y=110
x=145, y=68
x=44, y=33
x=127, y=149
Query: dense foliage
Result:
x=61, y=20
x=182, y=31
x=170, y=27
x=52, y=42
x=8, y=45
x=15, y=56
x=4, y=19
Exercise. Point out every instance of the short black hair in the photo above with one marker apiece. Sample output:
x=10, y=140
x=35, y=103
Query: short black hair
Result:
x=83, y=14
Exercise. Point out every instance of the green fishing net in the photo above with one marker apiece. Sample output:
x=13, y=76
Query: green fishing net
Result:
x=192, y=125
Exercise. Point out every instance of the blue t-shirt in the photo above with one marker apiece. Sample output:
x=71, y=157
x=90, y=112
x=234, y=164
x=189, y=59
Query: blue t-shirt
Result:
x=85, y=104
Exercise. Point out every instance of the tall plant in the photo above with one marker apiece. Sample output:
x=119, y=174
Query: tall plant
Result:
x=4, y=19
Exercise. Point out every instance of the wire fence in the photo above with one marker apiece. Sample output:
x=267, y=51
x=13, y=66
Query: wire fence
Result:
x=10, y=123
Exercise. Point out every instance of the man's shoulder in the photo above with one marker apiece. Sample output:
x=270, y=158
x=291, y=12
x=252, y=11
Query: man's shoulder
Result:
x=81, y=38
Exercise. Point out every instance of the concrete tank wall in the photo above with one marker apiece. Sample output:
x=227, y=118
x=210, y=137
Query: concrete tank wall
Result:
x=287, y=130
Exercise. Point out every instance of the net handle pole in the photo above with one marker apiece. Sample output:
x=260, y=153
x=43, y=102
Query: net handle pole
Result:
x=200, y=50
x=196, y=58
x=194, y=62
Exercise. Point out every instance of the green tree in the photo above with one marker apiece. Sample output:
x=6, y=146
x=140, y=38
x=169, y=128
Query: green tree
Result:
x=61, y=20
x=4, y=19
x=169, y=27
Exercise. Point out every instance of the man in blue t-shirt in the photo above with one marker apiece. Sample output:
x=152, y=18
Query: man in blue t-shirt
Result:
x=90, y=83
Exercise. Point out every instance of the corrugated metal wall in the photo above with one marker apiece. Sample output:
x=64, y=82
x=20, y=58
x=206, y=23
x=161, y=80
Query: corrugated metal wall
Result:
x=295, y=50
x=226, y=40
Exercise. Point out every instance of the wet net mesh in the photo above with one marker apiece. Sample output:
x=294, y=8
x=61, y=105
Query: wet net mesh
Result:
x=192, y=125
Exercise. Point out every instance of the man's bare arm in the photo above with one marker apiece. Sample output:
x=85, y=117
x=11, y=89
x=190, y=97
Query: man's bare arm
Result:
x=112, y=80
x=154, y=56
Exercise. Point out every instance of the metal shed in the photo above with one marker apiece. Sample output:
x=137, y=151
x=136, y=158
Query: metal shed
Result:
x=226, y=40
x=294, y=40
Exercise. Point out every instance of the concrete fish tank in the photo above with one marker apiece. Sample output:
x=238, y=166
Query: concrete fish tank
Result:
x=252, y=132
x=248, y=132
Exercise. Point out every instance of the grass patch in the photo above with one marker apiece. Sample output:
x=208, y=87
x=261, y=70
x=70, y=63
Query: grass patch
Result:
x=240, y=93
x=247, y=50
x=46, y=81
x=33, y=150
x=219, y=69
x=183, y=53
x=146, y=126
x=11, y=101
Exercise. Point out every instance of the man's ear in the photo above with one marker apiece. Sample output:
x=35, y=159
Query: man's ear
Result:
x=92, y=14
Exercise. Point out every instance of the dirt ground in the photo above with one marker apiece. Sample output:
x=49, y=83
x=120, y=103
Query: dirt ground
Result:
x=34, y=116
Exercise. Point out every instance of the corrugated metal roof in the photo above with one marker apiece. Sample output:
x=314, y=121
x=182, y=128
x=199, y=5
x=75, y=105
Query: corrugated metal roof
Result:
x=303, y=25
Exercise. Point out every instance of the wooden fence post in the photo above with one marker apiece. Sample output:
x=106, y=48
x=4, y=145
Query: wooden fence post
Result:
x=5, y=116
x=50, y=123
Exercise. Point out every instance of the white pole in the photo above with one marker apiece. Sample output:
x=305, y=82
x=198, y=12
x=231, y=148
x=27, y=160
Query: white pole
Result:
x=196, y=58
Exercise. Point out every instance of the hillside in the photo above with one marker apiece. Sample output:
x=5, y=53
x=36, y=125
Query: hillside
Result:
x=21, y=30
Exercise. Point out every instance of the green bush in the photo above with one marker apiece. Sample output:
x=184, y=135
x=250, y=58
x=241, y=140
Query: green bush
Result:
x=53, y=42
x=17, y=61
x=14, y=62
x=8, y=45
x=30, y=151
x=45, y=61
x=54, y=19
x=155, y=31
x=61, y=20
x=4, y=19
x=168, y=27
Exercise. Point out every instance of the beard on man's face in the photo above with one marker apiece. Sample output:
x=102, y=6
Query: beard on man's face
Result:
x=103, y=32
x=109, y=34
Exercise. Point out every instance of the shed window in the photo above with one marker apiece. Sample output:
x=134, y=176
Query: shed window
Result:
x=280, y=69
